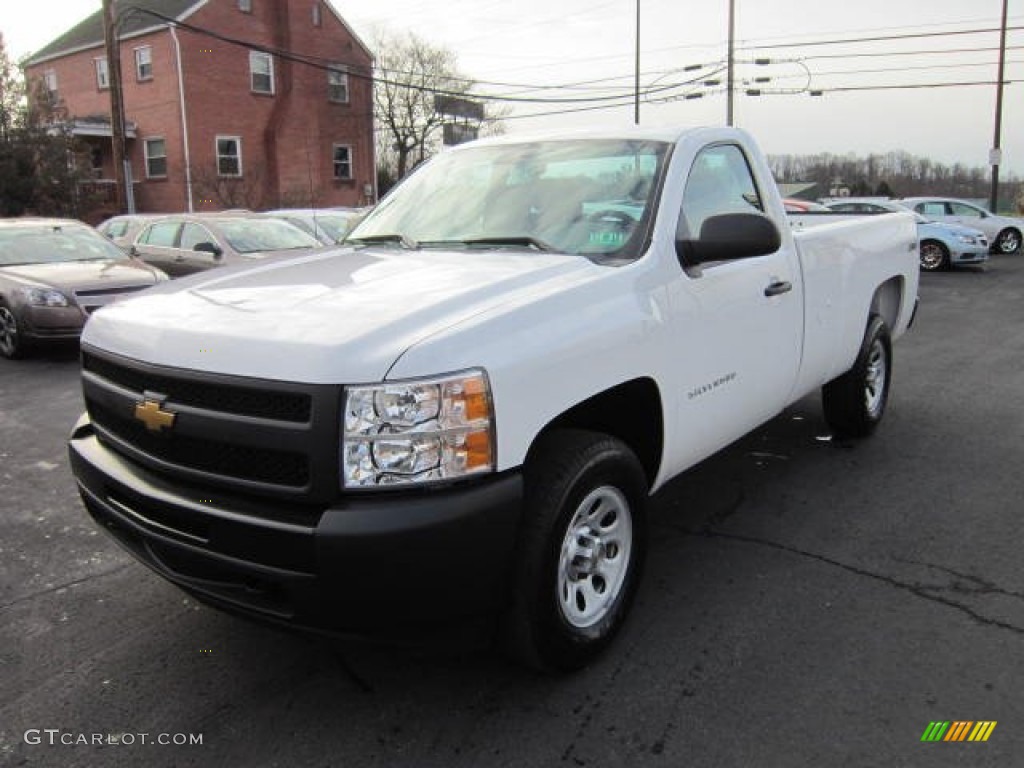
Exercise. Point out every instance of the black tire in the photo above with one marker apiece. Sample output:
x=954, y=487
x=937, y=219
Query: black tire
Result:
x=1008, y=241
x=12, y=344
x=934, y=256
x=855, y=402
x=574, y=584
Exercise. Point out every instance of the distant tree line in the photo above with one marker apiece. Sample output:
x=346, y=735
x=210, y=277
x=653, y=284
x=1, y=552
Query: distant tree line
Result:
x=894, y=174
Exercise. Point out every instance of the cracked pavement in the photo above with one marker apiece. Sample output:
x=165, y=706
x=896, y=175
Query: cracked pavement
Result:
x=807, y=602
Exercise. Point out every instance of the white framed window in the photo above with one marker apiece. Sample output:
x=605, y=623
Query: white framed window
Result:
x=342, y=156
x=102, y=73
x=229, y=156
x=144, y=63
x=317, y=18
x=245, y=6
x=261, y=72
x=337, y=84
x=155, y=151
x=50, y=81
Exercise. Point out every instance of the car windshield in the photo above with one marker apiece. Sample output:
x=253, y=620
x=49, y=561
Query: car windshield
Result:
x=54, y=244
x=260, y=235
x=589, y=197
x=335, y=226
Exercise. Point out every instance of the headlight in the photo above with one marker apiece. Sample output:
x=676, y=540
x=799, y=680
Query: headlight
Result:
x=417, y=431
x=967, y=239
x=44, y=297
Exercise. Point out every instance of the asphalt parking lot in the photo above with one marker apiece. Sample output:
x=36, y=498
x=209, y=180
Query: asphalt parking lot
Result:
x=806, y=603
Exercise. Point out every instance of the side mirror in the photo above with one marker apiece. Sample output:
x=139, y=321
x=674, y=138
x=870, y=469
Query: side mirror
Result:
x=133, y=251
x=730, y=236
x=211, y=248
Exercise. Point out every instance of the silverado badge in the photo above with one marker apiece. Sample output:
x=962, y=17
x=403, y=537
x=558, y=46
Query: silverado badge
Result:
x=152, y=414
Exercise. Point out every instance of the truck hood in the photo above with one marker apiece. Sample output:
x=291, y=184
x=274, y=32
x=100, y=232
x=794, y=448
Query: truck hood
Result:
x=330, y=317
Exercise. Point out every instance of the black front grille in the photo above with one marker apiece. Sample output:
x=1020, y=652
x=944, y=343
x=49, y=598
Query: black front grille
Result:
x=264, y=465
x=110, y=291
x=248, y=435
x=244, y=401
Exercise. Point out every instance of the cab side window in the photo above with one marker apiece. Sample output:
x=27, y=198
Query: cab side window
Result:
x=720, y=181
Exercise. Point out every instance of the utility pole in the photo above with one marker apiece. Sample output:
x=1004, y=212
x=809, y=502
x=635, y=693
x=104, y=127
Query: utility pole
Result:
x=995, y=156
x=113, y=48
x=731, y=67
x=636, y=69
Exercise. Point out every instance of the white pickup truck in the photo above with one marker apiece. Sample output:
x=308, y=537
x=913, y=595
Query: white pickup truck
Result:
x=464, y=410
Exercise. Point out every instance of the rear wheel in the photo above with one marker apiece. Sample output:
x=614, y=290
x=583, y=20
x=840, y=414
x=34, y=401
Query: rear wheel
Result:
x=934, y=256
x=854, y=403
x=1008, y=241
x=581, y=549
x=12, y=345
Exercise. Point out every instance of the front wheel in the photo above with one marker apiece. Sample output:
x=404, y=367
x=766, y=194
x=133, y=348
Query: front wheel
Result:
x=581, y=549
x=12, y=345
x=855, y=402
x=1008, y=241
x=934, y=256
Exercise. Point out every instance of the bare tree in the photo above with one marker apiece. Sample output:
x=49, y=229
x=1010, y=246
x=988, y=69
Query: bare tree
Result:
x=410, y=72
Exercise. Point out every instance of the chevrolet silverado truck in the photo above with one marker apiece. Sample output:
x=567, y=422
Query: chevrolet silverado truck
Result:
x=463, y=410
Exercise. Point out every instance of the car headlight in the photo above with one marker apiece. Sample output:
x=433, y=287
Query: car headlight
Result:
x=969, y=239
x=44, y=297
x=417, y=431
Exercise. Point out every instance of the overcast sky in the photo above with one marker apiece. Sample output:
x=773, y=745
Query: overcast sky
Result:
x=524, y=47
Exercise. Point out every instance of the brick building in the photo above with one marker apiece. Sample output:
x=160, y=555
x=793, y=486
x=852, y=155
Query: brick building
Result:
x=213, y=124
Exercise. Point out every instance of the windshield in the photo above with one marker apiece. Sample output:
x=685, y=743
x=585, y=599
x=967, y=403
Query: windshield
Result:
x=54, y=244
x=257, y=235
x=587, y=197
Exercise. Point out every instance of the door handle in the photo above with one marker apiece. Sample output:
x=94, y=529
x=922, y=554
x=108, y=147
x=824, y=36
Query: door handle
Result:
x=778, y=287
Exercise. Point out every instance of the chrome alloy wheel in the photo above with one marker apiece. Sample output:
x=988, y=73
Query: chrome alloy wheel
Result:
x=595, y=557
x=1009, y=241
x=875, y=378
x=933, y=256
x=8, y=333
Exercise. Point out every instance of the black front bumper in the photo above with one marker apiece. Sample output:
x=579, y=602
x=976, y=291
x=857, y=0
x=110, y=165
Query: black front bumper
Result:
x=365, y=564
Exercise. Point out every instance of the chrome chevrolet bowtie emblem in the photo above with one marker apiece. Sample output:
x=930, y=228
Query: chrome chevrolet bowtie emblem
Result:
x=152, y=414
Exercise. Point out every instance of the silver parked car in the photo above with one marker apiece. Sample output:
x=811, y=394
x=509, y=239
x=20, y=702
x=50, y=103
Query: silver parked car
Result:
x=1003, y=232
x=328, y=225
x=187, y=243
x=53, y=274
x=942, y=245
x=122, y=230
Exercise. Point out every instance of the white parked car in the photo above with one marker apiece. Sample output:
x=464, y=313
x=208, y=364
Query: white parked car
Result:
x=1003, y=232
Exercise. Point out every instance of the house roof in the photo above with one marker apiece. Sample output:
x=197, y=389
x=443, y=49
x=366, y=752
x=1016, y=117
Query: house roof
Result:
x=89, y=32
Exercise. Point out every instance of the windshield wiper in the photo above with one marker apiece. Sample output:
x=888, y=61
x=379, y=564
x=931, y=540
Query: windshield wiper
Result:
x=402, y=240
x=514, y=241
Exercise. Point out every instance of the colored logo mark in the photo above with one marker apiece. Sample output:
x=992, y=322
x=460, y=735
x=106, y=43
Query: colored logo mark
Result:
x=959, y=730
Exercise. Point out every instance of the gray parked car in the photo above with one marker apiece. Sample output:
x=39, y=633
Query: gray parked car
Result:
x=53, y=274
x=187, y=243
x=122, y=230
x=1003, y=232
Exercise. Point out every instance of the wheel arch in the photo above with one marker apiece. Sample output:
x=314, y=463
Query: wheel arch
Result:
x=631, y=411
x=887, y=301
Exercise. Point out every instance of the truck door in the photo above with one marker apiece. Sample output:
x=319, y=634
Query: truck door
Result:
x=738, y=325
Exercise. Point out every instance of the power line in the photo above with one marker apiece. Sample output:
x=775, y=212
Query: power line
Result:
x=879, y=39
